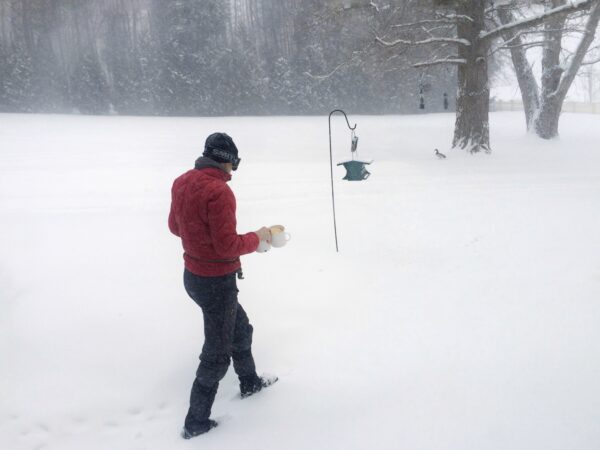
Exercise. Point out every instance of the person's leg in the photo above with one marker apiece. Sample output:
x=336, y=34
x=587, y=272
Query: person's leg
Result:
x=201, y=400
x=243, y=361
x=218, y=299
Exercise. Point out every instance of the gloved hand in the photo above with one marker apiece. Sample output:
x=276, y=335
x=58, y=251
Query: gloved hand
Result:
x=264, y=234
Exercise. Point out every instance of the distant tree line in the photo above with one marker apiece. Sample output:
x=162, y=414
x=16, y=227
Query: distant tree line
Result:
x=210, y=57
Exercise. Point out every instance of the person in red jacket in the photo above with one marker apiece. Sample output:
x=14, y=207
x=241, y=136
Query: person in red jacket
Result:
x=203, y=216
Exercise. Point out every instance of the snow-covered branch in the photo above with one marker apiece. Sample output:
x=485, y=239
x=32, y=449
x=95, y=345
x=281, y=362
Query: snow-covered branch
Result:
x=590, y=62
x=425, y=22
x=423, y=42
x=571, y=71
x=523, y=33
x=455, y=17
x=444, y=19
x=435, y=62
x=567, y=8
x=524, y=45
x=356, y=56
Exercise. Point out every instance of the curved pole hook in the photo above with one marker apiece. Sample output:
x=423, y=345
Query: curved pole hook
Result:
x=347, y=121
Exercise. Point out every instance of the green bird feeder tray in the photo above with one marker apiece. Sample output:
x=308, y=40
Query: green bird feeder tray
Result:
x=355, y=170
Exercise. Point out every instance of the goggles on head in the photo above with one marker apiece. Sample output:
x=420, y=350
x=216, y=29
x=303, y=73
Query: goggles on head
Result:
x=235, y=163
x=234, y=160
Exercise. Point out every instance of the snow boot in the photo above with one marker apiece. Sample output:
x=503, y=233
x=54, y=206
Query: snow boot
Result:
x=203, y=428
x=252, y=384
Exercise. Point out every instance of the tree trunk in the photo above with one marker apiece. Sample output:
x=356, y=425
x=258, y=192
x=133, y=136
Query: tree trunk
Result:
x=556, y=80
x=546, y=123
x=471, y=130
x=527, y=83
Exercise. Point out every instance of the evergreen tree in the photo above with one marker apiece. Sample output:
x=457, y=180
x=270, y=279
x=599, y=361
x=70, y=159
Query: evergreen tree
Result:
x=123, y=67
x=17, y=90
x=3, y=78
x=89, y=88
x=148, y=68
x=192, y=36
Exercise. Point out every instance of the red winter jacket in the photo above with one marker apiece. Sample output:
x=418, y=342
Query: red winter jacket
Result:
x=203, y=215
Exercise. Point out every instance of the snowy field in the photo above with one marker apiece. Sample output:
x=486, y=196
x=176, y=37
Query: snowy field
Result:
x=462, y=311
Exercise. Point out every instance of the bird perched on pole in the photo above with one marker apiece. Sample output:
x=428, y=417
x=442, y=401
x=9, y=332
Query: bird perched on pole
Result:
x=439, y=155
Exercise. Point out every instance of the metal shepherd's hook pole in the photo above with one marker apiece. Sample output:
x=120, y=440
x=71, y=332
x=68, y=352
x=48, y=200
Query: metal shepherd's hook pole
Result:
x=331, y=168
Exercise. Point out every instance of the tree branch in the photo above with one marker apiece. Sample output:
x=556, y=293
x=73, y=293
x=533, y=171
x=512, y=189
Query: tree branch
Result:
x=589, y=63
x=423, y=42
x=525, y=45
x=374, y=6
x=425, y=22
x=583, y=47
x=356, y=56
x=455, y=17
x=450, y=60
x=570, y=7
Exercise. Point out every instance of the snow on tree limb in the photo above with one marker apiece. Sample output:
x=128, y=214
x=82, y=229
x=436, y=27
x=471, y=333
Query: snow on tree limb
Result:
x=582, y=49
x=567, y=8
x=327, y=75
x=356, y=55
x=425, y=22
x=525, y=45
x=455, y=17
x=522, y=33
x=424, y=42
x=591, y=62
x=449, y=60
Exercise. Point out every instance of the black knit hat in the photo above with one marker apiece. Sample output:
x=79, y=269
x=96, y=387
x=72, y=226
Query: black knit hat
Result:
x=220, y=148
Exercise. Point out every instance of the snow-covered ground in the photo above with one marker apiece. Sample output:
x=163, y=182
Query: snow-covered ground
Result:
x=462, y=311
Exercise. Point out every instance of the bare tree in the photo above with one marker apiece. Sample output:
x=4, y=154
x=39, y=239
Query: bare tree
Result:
x=463, y=33
x=543, y=103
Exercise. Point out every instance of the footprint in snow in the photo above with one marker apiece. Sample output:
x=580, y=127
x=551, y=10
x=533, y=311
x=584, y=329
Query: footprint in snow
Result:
x=135, y=411
x=43, y=427
x=163, y=405
x=149, y=414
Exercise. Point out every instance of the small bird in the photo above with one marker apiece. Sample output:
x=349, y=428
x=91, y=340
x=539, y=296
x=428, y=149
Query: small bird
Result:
x=439, y=155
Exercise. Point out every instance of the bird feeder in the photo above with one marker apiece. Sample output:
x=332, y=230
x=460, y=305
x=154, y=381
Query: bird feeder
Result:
x=355, y=170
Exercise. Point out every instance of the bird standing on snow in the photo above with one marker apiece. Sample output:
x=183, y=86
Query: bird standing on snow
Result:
x=439, y=155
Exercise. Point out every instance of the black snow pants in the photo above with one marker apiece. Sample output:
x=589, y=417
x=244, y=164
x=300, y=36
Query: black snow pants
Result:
x=227, y=335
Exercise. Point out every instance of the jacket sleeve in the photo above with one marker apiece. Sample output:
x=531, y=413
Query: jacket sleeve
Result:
x=173, y=225
x=222, y=225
